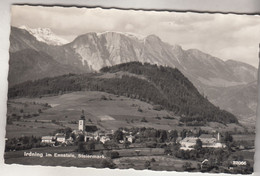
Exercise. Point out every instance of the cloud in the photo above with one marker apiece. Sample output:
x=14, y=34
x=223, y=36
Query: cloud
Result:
x=226, y=36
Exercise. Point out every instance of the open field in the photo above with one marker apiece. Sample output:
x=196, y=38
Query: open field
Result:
x=112, y=113
x=128, y=159
x=95, y=107
x=160, y=163
x=242, y=137
x=131, y=152
x=248, y=155
x=106, y=111
x=69, y=162
x=37, y=129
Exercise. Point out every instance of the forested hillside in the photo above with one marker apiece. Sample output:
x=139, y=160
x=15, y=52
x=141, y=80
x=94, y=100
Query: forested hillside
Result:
x=158, y=85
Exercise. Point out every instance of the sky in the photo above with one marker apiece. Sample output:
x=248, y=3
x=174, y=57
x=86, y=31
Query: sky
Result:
x=226, y=36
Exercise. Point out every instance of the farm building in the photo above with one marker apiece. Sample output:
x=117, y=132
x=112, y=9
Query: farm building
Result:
x=188, y=143
x=103, y=139
x=48, y=139
x=60, y=138
x=130, y=138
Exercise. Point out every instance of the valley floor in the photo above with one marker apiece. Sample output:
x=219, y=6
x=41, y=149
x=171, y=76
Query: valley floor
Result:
x=44, y=115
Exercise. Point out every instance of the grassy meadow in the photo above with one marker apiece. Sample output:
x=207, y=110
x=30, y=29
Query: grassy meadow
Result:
x=106, y=111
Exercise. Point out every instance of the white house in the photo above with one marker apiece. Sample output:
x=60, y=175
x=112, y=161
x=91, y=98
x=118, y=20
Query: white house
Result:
x=188, y=143
x=69, y=140
x=103, y=139
x=48, y=139
x=88, y=137
x=209, y=141
x=130, y=138
x=60, y=138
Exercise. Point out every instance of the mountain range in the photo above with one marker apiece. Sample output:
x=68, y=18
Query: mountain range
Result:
x=216, y=79
x=45, y=35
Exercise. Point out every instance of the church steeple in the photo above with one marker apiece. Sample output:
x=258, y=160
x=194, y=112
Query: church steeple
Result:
x=82, y=122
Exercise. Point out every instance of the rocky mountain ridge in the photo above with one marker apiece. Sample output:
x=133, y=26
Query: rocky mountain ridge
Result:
x=45, y=35
x=92, y=51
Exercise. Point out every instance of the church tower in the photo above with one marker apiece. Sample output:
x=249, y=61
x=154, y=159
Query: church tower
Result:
x=218, y=138
x=82, y=122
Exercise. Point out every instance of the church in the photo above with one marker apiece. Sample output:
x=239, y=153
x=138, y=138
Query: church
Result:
x=82, y=122
x=90, y=131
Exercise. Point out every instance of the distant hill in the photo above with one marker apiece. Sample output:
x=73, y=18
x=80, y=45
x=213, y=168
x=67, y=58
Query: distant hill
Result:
x=29, y=64
x=241, y=101
x=158, y=85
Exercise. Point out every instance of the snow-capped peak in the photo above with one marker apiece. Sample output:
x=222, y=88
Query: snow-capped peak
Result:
x=128, y=34
x=23, y=27
x=45, y=35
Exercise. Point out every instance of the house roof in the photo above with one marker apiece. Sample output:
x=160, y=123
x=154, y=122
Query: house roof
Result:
x=206, y=136
x=47, y=137
x=60, y=136
x=190, y=139
x=130, y=136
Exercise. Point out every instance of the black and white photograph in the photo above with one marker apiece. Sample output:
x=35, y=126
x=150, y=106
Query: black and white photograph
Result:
x=132, y=89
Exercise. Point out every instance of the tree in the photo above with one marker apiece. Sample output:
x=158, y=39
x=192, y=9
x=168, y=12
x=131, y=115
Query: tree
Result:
x=199, y=133
x=90, y=145
x=112, y=154
x=157, y=107
x=143, y=120
x=39, y=111
x=126, y=144
x=183, y=133
x=198, y=144
x=228, y=137
x=81, y=138
x=139, y=109
x=187, y=166
x=25, y=140
x=110, y=145
x=147, y=164
x=167, y=150
x=173, y=135
x=163, y=135
x=118, y=135
x=103, y=97
x=108, y=163
x=137, y=152
x=73, y=136
x=67, y=132
x=81, y=147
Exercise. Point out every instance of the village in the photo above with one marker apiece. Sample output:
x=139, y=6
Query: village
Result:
x=194, y=149
x=186, y=143
x=102, y=136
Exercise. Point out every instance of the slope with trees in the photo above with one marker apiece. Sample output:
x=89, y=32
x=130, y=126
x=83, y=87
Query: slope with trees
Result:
x=157, y=85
